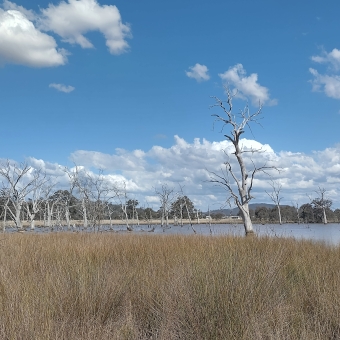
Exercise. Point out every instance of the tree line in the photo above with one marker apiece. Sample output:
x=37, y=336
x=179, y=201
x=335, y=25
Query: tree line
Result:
x=306, y=213
x=30, y=195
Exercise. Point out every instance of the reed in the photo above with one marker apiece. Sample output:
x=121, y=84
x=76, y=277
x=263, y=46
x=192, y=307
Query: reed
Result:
x=114, y=286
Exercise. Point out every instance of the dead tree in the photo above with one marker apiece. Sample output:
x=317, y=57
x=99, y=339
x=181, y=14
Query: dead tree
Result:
x=19, y=181
x=186, y=207
x=229, y=176
x=321, y=202
x=296, y=206
x=80, y=182
x=51, y=202
x=5, y=200
x=99, y=194
x=121, y=195
x=166, y=196
x=36, y=200
x=275, y=196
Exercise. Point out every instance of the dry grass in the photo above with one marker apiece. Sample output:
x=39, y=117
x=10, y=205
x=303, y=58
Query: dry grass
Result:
x=95, y=286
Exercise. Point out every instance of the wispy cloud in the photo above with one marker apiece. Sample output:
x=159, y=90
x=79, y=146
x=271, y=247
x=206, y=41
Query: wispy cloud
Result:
x=62, y=87
x=247, y=86
x=329, y=82
x=332, y=58
x=198, y=72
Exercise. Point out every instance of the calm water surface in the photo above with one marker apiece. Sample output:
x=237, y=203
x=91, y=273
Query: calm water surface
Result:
x=329, y=233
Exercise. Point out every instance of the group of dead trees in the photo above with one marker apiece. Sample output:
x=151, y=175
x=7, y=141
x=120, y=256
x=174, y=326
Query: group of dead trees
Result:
x=176, y=205
x=28, y=194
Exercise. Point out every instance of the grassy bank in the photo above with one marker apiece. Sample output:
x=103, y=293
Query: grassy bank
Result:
x=95, y=286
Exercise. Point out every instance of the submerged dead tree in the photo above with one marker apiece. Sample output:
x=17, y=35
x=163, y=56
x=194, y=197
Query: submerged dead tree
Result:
x=275, y=196
x=321, y=203
x=166, y=197
x=238, y=181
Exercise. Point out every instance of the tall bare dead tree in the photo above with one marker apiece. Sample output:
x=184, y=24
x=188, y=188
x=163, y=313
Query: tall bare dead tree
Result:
x=275, y=196
x=297, y=209
x=36, y=200
x=166, y=196
x=229, y=176
x=186, y=207
x=121, y=195
x=82, y=185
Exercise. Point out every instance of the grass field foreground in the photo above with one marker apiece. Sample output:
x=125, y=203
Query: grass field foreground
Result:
x=109, y=286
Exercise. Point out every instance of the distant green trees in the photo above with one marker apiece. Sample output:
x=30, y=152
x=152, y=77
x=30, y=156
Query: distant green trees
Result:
x=182, y=206
x=307, y=213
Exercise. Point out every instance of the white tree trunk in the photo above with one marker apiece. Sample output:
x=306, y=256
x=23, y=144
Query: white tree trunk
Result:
x=17, y=219
x=181, y=206
x=137, y=218
x=83, y=203
x=49, y=215
x=162, y=218
x=279, y=210
x=67, y=217
x=324, y=216
x=248, y=224
x=126, y=216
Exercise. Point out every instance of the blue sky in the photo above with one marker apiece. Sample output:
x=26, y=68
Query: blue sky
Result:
x=128, y=86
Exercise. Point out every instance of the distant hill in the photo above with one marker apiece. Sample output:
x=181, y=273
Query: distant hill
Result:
x=235, y=211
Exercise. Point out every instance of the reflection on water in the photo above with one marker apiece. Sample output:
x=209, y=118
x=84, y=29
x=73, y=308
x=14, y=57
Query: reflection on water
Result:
x=329, y=233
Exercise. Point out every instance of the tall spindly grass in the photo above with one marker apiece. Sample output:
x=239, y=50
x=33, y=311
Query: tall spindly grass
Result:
x=109, y=286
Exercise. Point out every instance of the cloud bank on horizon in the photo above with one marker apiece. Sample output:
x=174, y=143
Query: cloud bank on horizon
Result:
x=189, y=164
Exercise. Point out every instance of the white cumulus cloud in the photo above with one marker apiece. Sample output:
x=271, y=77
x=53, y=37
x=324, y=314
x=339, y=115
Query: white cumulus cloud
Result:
x=198, y=72
x=62, y=87
x=22, y=43
x=332, y=58
x=71, y=20
x=30, y=15
x=329, y=84
x=247, y=86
